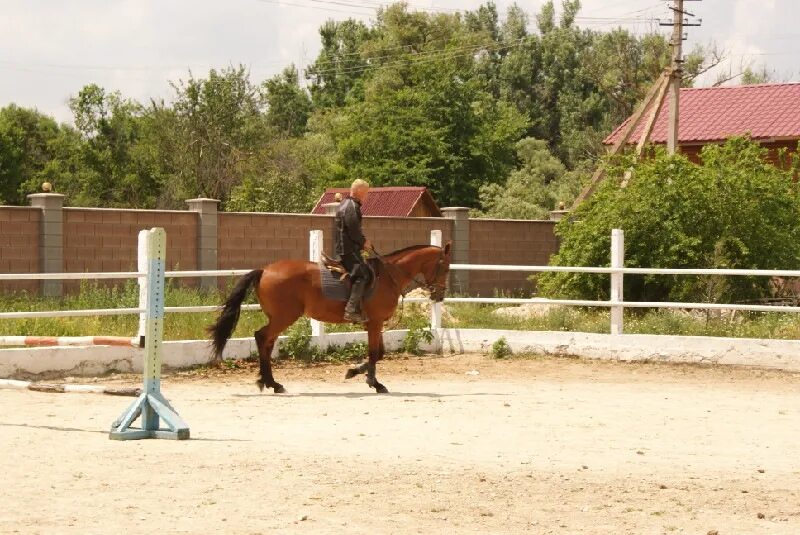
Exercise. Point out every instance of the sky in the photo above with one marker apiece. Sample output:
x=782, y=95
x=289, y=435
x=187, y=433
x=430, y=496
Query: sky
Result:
x=49, y=49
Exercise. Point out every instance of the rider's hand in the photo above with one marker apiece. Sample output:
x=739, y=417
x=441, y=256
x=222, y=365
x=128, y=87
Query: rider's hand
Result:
x=367, y=245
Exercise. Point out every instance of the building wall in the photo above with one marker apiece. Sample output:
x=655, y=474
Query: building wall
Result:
x=19, y=245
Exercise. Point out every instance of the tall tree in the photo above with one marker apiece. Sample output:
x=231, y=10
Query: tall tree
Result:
x=32, y=146
x=113, y=171
x=339, y=66
x=220, y=124
x=288, y=105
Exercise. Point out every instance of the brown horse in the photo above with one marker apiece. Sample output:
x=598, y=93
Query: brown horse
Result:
x=289, y=289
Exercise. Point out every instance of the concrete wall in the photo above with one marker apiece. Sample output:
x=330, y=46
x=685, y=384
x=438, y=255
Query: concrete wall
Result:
x=99, y=239
x=42, y=363
x=497, y=241
x=19, y=244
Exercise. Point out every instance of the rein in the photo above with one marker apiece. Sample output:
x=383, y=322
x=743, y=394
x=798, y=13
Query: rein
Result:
x=430, y=286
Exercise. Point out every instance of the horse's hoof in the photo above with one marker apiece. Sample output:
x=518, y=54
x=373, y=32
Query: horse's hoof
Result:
x=380, y=389
x=351, y=372
x=278, y=389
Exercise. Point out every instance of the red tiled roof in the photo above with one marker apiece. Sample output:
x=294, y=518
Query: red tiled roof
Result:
x=715, y=113
x=388, y=201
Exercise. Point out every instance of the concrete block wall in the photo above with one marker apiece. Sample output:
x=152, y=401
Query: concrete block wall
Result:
x=19, y=245
x=50, y=238
x=499, y=241
x=251, y=240
x=100, y=239
x=392, y=233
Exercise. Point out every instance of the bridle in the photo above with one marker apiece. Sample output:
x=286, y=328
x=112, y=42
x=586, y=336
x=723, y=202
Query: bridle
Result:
x=433, y=287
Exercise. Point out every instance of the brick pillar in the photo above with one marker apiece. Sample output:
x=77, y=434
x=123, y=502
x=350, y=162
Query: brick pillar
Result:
x=51, y=239
x=459, y=280
x=206, y=237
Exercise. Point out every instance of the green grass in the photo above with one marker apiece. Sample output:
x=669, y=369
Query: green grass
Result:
x=463, y=315
x=742, y=325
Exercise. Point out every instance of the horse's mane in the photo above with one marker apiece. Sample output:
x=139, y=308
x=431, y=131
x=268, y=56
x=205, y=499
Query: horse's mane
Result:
x=409, y=249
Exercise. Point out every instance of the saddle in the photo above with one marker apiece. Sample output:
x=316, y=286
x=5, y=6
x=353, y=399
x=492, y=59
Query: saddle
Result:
x=336, y=279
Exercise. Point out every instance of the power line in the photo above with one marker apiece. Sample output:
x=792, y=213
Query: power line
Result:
x=422, y=58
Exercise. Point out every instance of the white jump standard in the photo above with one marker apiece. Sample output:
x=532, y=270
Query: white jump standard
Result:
x=151, y=405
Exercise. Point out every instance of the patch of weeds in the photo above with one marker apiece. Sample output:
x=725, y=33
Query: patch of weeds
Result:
x=346, y=353
x=418, y=332
x=297, y=344
x=501, y=349
x=232, y=364
x=414, y=338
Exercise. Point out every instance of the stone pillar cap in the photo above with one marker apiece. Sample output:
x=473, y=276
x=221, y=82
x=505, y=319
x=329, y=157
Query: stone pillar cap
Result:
x=42, y=195
x=203, y=199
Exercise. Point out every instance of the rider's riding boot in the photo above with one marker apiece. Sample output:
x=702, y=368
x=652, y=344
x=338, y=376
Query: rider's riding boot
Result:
x=353, y=312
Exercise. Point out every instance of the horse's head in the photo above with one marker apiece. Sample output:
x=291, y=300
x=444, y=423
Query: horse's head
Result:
x=436, y=273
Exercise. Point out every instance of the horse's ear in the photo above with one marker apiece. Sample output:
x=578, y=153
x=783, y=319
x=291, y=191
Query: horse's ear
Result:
x=447, y=248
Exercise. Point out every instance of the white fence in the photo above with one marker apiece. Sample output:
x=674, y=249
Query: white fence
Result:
x=616, y=303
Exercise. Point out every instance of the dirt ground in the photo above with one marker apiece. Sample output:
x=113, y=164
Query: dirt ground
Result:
x=525, y=446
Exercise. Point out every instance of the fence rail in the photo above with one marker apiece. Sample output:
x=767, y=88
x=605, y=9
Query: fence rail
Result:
x=617, y=271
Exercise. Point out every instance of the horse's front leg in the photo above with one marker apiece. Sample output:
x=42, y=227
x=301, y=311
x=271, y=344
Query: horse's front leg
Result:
x=376, y=351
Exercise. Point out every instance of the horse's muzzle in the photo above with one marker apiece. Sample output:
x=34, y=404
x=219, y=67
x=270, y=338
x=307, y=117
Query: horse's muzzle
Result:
x=437, y=296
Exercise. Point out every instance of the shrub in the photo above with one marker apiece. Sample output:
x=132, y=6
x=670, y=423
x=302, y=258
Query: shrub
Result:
x=734, y=211
x=501, y=349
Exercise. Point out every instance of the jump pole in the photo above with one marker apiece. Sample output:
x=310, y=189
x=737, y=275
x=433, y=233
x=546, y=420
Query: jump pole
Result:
x=151, y=405
x=72, y=341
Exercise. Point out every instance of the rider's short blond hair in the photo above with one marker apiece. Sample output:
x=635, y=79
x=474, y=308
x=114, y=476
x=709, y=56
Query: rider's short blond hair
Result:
x=359, y=184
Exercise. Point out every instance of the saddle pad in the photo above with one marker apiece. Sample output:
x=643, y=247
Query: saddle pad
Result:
x=338, y=290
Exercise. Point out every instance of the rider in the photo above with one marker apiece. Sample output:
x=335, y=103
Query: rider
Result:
x=350, y=245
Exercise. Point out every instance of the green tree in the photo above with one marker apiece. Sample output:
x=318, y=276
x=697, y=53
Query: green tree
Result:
x=426, y=117
x=339, y=65
x=288, y=106
x=283, y=177
x=33, y=149
x=530, y=191
x=734, y=211
x=219, y=125
x=757, y=76
x=114, y=169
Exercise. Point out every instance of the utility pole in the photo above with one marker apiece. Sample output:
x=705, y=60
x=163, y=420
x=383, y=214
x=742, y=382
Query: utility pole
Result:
x=676, y=75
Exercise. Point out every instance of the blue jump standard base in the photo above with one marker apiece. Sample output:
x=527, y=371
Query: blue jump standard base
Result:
x=152, y=407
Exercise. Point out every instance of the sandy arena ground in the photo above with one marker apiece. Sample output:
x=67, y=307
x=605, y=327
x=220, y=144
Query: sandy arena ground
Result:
x=531, y=446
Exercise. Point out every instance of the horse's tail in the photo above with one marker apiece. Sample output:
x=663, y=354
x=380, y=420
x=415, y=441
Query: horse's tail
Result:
x=222, y=329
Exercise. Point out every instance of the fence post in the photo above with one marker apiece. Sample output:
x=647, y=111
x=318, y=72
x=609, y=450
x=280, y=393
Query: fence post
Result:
x=436, y=308
x=617, y=261
x=315, y=255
